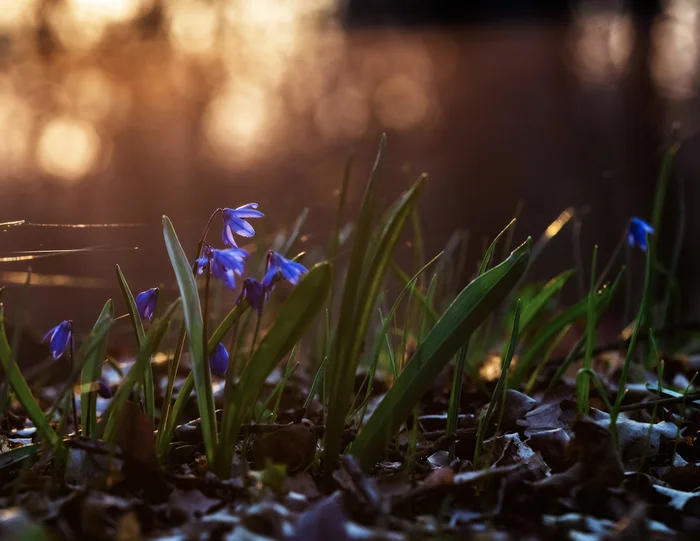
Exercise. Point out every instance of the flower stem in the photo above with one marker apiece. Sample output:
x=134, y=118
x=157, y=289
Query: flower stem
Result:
x=205, y=314
x=257, y=327
x=205, y=232
x=72, y=389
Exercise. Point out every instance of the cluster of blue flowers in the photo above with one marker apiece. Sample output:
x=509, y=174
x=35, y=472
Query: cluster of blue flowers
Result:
x=223, y=264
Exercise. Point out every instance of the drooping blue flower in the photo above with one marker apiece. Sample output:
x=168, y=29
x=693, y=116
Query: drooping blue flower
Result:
x=146, y=303
x=637, y=233
x=59, y=337
x=218, y=360
x=235, y=223
x=277, y=263
x=254, y=292
x=103, y=389
x=223, y=264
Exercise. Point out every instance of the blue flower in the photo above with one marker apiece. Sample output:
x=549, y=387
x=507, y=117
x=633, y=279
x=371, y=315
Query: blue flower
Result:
x=146, y=303
x=103, y=389
x=218, y=360
x=637, y=233
x=234, y=222
x=254, y=292
x=277, y=263
x=59, y=337
x=223, y=264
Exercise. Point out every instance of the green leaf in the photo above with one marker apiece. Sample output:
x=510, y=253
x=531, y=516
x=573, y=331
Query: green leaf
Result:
x=139, y=334
x=18, y=454
x=175, y=412
x=353, y=330
x=462, y=317
x=90, y=357
x=294, y=318
x=19, y=385
x=154, y=336
x=551, y=288
x=582, y=379
x=195, y=337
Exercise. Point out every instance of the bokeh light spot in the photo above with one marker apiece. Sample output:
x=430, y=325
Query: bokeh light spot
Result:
x=68, y=148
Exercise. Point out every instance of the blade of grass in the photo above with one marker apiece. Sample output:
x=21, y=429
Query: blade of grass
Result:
x=582, y=383
x=640, y=322
x=21, y=389
x=294, y=318
x=113, y=414
x=355, y=318
x=552, y=329
x=462, y=317
x=139, y=334
x=90, y=357
x=500, y=385
x=551, y=288
x=195, y=337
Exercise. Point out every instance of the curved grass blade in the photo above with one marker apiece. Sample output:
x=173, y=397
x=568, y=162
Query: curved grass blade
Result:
x=90, y=357
x=169, y=425
x=583, y=386
x=551, y=288
x=294, y=318
x=112, y=415
x=139, y=333
x=352, y=331
x=485, y=421
x=462, y=317
x=24, y=394
x=552, y=329
x=195, y=336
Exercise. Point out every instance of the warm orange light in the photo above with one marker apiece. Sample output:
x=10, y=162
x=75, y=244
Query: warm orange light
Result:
x=401, y=102
x=16, y=123
x=14, y=14
x=193, y=27
x=68, y=148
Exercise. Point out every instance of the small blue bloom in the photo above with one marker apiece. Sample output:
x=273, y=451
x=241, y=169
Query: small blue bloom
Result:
x=59, y=337
x=218, y=360
x=146, y=303
x=223, y=264
x=103, y=389
x=277, y=263
x=637, y=233
x=254, y=292
x=234, y=222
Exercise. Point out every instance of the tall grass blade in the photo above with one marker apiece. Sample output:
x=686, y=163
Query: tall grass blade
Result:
x=485, y=421
x=362, y=289
x=90, y=357
x=462, y=317
x=582, y=382
x=139, y=334
x=195, y=337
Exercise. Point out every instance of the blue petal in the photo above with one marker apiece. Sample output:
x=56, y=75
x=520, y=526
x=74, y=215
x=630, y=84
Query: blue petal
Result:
x=103, y=389
x=239, y=226
x=201, y=263
x=218, y=360
x=59, y=339
x=269, y=277
x=227, y=236
x=146, y=303
x=246, y=211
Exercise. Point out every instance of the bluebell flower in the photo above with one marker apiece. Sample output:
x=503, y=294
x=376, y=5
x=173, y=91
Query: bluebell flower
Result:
x=254, y=292
x=59, y=337
x=223, y=264
x=637, y=233
x=218, y=360
x=277, y=263
x=234, y=222
x=146, y=303
x=103, y=389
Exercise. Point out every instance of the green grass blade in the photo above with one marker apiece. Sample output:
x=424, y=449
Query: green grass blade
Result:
x=195, y=337
x=640, y=322
x=582, y=380
x=551, y=288
x=462, y=317
x=175, y=413
x=19, y=385
x=90, y=357
x=295, y=317
x=229, y=321
x=488, y=256
x=139, y=334
x=348, y=353
x=500, y=385
x=112, y=416
x=405, y=280
x=552, y=329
